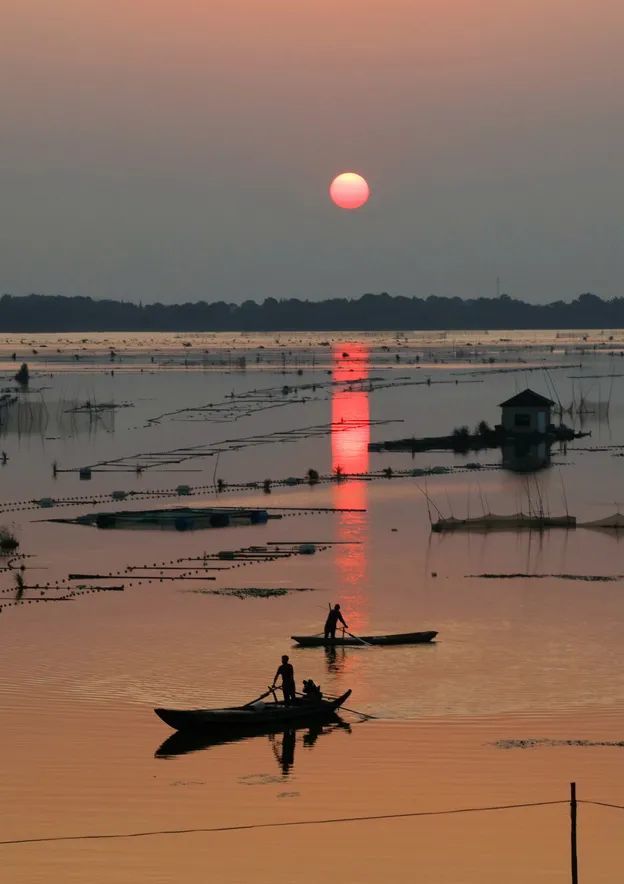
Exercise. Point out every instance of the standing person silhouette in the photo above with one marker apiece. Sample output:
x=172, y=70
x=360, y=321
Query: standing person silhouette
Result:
x=332, y=622
x=287, y=674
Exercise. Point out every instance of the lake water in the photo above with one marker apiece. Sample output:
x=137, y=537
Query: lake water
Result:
x=517, y=659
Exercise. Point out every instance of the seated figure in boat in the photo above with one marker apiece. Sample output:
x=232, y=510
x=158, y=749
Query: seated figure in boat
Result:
x=332, y=622
x=287, y=673
x=311, y=691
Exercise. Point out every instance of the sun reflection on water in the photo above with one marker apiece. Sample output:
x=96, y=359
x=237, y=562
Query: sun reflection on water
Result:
x=350, y=407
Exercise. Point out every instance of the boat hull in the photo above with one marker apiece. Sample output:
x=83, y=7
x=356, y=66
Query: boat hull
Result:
x=403, y=638
x=246, y=718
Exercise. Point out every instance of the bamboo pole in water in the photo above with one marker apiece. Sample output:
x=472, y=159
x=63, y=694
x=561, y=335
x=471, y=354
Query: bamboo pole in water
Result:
x=573, y=851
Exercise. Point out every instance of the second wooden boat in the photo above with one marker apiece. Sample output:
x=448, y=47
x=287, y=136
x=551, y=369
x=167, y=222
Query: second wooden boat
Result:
x=400, y=638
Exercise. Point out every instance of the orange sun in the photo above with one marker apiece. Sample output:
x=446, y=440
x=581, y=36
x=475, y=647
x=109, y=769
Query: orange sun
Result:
x=349, y=190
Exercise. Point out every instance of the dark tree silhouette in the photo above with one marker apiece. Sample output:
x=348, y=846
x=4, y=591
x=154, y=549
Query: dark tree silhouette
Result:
x=55, y=313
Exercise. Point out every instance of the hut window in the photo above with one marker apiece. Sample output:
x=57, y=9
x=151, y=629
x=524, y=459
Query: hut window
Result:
x=522, y=420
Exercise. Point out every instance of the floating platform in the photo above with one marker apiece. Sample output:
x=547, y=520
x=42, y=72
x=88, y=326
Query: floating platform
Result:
x=513, y=522
x=177, y=518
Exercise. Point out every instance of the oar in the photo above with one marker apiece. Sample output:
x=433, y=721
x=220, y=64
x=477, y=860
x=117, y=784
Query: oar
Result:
x=346, y=708
x=357, y=712
x=357, y=638
x=261, y=697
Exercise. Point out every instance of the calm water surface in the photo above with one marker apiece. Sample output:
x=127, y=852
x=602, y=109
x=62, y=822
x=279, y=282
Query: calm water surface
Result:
x=515, y=659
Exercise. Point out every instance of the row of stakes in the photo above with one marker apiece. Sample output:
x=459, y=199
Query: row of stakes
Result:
x=68, y=597
x=64, y=583
x=180, y=491
x=190, y=491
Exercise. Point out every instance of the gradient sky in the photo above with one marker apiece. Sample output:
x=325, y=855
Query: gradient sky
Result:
x=183, y=150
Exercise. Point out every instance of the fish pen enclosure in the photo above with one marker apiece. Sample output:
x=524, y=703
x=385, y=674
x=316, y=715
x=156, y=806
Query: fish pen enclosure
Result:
x=177, y=518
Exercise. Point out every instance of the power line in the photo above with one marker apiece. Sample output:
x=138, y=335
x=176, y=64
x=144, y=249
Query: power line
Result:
x=298, y=823
x=277, y=825
x=600, y=803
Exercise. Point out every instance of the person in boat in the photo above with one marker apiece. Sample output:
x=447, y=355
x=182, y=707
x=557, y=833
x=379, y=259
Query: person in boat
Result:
x=332, y=622
x=287, y=673
x=311, y=691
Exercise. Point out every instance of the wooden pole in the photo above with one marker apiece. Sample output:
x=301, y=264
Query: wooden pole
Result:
x=573, y=854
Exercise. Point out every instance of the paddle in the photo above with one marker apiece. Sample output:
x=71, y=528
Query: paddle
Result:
x=346, y=708
x=272, y=690
x=261, y=697
x=357, y=638
x=357, y=712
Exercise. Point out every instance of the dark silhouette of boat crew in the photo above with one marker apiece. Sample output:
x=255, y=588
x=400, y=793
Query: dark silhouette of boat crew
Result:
x=311, y=691
x=287, y=673
x=332, y=622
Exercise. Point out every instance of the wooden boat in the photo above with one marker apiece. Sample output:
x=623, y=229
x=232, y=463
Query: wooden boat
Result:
x=400, y=638
x=252, y=715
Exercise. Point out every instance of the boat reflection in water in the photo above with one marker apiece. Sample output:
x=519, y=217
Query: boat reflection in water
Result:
x=282, y=740
x=335, y=657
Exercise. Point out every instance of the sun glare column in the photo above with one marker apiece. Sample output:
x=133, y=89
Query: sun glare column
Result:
x=349, y=439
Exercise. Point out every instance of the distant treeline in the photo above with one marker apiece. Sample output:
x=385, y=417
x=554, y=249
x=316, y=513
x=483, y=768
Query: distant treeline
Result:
x=55, y=313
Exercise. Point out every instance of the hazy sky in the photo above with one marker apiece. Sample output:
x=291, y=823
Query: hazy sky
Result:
x=182, y=149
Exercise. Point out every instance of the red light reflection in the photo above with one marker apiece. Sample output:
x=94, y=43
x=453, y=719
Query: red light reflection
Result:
x=350, y=438
x=350, y=410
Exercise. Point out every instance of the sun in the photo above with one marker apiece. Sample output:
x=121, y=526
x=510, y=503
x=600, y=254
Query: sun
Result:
x=349, y=190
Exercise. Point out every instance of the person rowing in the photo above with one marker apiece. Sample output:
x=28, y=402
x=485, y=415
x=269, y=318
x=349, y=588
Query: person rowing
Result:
x=287, y=673
x=332, y=622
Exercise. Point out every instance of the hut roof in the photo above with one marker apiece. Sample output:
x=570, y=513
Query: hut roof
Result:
x=527, y=399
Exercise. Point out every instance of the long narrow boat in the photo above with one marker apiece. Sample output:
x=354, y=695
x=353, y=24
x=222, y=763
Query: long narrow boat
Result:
x=216, y=721
x=399, y=638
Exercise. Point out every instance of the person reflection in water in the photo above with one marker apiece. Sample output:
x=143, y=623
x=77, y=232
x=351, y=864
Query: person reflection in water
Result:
x=285, y=751
x=335, y=658
x=332, y=622
x=286, y=758
x=312, y=735
x=287, y=674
